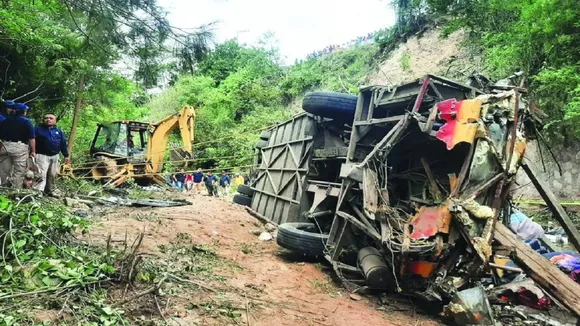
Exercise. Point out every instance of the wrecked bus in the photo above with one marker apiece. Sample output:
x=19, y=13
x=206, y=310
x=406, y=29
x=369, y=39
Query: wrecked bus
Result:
x=400, y=188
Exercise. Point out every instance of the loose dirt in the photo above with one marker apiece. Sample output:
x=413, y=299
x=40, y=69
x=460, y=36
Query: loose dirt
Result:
x=429, y=53
x=255, y=282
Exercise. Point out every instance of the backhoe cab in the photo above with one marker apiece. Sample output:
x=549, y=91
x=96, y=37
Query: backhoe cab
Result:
x=132, y=149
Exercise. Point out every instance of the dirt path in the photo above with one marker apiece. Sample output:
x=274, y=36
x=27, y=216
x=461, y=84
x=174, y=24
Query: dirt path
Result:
x=273, y=289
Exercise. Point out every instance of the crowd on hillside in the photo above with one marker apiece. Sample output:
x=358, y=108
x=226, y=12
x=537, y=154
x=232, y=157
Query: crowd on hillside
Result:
x=331, y=48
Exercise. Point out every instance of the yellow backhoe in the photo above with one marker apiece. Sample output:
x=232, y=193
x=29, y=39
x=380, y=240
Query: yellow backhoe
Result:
x=126, y=150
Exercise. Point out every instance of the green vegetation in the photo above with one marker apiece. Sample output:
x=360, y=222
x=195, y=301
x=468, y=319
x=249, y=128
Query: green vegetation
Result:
x=43, y=264
x=240, y=90
x=405, y=61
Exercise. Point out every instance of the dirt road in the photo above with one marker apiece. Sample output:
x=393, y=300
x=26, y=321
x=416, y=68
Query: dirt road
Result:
x=244, y=280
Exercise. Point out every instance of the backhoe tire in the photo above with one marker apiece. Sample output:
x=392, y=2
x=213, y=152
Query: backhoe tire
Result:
x=246, y=190
x=242, y=200
x=337, y=106
x=262, y=143
x=302, y=238
x=266, y=135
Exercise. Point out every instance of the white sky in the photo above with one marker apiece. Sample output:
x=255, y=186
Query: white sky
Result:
x=300, y=26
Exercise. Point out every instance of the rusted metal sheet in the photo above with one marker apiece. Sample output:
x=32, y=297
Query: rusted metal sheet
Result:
x=429, y=221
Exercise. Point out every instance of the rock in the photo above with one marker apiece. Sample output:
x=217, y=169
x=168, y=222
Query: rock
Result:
x=265, y=236
x=255, y=231
x=355, y=297
x=81, y=213
x=70, y=202
x=270, y=227
x=215, y=233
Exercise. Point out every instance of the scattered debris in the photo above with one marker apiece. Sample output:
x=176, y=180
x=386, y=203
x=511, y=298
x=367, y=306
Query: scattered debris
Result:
x=265, y=236
x=355, y=297
x=270, y=227
x=470, y=307
x=255, y=232
x=142, y=202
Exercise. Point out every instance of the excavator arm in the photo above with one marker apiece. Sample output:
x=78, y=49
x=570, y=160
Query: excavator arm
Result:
x=157, y=145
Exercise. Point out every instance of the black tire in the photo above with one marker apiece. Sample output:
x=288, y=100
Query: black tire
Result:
x=302, y=238
x=246, y=190
x=266, y=135
x=332, y=105
x=242, y=200
x=262, y=143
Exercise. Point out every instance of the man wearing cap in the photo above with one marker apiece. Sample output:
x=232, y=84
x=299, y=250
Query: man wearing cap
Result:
x=50, y=142
x=17, y=144
x=8, y=107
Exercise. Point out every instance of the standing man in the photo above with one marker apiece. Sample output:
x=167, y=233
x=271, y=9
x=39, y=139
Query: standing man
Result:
x=211, y=184
x=179, y=179
x=16, y=145
x=50, y=142
x=225, y=182
x=197, y=181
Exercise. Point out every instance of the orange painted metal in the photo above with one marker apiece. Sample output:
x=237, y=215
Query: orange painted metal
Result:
x=461, y=121
x=423, y=268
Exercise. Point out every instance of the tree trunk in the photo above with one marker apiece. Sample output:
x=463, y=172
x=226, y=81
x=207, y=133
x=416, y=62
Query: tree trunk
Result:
x=78, y=105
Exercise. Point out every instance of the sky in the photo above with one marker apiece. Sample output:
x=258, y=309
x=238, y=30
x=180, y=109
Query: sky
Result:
x=299, y=26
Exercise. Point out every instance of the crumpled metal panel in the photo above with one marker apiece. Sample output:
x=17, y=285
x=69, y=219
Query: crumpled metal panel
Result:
x=461, y=121
x=429, y=221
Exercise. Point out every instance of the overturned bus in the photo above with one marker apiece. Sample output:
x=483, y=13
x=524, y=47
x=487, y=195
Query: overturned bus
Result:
x=400, y=188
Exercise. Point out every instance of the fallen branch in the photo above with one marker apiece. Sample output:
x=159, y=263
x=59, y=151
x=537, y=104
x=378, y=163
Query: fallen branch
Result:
x=258, y=215
x=159, y=308
x=23, y=294
x=247, y=311
x=150, y=290
x=201, y=285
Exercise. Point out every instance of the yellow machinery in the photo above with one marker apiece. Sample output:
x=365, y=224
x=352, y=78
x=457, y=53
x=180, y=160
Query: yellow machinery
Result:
x=132, y=149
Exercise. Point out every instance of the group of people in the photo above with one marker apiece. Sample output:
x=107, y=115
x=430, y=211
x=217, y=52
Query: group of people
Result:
x=215, y=186
x=331, y=48
x=29, y=155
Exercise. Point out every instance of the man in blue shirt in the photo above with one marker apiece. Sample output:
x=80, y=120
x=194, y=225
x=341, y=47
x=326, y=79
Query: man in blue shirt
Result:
x=225, y=182
x=16, y=145
x=211, y=184
x=50, y=142
x=197, y=180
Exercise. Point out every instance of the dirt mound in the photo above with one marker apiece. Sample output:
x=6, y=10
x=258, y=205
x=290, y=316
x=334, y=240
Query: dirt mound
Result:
x=428, y=53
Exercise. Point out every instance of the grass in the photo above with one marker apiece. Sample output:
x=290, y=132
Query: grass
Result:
x=406, y=61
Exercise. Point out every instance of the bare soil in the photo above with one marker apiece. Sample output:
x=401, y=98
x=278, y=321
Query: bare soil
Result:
x=256, y=282
x=429, y=53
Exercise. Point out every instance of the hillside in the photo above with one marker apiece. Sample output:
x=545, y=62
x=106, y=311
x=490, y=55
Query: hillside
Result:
x=428, y=53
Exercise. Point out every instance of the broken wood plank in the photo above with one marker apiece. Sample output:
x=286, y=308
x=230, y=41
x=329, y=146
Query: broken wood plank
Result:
x=554, y=205
x=541, y=270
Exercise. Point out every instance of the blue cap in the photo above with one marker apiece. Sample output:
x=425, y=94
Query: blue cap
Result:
x=20, y=107
x=9, y=103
